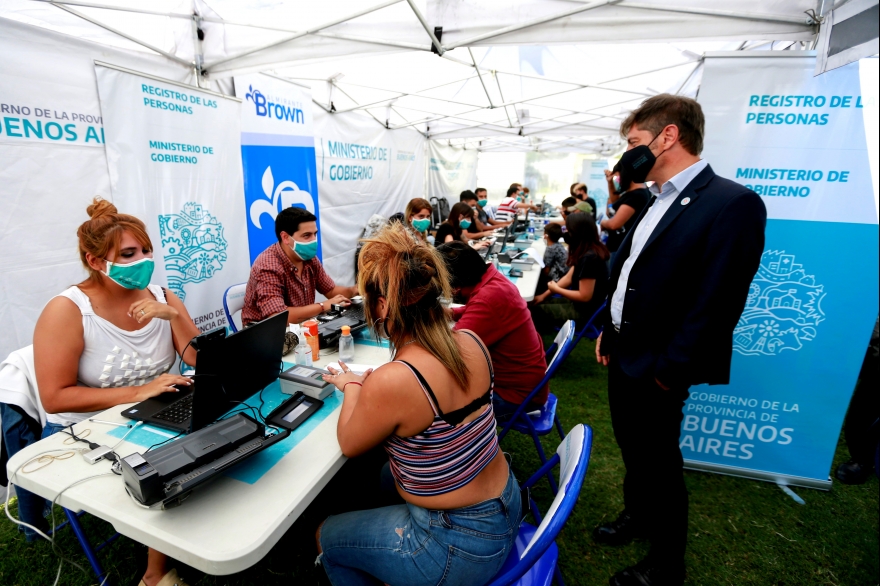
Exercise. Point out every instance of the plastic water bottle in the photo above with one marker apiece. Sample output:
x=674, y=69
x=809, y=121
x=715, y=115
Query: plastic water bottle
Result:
x=302, y=353
x=346, y=345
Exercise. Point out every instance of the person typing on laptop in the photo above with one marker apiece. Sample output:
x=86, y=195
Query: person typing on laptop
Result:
x=111, y=339
x=287, y=274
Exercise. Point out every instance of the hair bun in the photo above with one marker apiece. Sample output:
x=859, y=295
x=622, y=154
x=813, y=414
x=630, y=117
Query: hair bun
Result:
x=100, y=207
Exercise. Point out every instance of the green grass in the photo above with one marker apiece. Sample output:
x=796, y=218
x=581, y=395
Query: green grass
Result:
x=741, y=531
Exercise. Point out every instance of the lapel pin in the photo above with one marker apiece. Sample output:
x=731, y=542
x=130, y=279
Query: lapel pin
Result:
x=685, y=201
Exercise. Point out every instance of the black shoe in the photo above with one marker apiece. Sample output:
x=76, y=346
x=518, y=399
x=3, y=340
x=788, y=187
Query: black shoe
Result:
x=853, y=473
x=647, y=573
x=620, y=531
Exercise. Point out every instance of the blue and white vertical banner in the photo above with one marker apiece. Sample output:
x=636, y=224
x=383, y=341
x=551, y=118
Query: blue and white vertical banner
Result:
x=799, y=142
x=451, y=170
x=174, y=157
x=593, y=176
x=277, y=153
x=363, y=169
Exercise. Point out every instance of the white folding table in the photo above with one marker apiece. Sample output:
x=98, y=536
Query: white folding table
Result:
x=528, y=283
x=223, y=527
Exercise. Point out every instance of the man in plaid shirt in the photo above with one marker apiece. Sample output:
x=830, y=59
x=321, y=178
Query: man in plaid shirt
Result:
x=286, y=275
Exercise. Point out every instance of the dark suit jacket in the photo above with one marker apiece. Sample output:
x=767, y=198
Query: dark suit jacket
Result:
x=688, y=287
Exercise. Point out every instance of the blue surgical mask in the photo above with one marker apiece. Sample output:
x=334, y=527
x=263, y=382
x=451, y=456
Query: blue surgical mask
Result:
x=134, y=275
x=306, y=250
x=483, y=202
x=464, y=224
x=421, y=224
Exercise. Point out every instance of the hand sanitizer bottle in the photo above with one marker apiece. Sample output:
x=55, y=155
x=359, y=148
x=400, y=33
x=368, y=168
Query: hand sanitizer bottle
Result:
x=346, y=345
x=302, y=354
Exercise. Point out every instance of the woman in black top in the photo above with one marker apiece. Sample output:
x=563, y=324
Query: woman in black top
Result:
x=461, y=217
x=581, y=291
x=630, y=203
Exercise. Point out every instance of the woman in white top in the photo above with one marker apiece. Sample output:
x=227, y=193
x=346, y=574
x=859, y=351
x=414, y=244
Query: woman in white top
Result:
x=113, y=338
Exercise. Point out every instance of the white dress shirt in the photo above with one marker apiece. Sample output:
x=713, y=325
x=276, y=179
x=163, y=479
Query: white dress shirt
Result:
x=665, y=197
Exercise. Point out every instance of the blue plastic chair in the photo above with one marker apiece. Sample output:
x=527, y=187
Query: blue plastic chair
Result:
x=590, y=330
x=542, y=422
x=233, y=302
x=533, y=560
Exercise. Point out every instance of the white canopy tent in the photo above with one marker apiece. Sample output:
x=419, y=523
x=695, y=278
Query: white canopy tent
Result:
x=531, y=75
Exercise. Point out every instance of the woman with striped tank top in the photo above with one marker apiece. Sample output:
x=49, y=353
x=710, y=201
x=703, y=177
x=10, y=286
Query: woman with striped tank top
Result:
x=431, y=409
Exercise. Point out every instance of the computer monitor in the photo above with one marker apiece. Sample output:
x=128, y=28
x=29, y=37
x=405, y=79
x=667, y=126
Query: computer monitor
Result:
x=234, y=368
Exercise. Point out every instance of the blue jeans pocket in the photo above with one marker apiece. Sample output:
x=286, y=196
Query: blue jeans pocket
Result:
x=467, y=569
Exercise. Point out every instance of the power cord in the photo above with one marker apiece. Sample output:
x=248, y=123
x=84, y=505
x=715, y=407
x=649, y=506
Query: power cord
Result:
x=38, y=458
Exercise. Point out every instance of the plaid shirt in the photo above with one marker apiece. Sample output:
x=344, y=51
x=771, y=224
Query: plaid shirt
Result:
x=275, y=285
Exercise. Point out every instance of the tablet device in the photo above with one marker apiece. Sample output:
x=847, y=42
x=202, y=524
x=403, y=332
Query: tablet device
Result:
x=293, y=412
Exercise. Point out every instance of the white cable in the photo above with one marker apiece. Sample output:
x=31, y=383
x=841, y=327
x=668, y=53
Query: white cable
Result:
x=37, y=531
x=131, y=429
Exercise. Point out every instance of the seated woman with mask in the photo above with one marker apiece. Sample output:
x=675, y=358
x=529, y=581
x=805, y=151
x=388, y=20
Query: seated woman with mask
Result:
x=431, y=409
x=418, y=217
x=461, y=217
x=112, y=338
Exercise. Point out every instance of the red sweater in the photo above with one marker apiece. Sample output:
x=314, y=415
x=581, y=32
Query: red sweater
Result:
x=497, y=313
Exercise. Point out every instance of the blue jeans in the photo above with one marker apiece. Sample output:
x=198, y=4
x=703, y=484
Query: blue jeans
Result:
x=19, y=431
x=51, y=429
x=407, y=545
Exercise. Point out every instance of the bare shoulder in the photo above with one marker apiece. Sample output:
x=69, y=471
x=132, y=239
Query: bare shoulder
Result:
x=468, y=341
x=60, y=324
x=389, y=381
x=60, y=310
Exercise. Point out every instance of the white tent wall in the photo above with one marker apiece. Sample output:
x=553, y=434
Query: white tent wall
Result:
x=450, y=171
x=46, y=183
x=363, y=169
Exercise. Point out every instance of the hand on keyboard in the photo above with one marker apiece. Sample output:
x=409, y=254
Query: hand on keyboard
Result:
x=164, y=383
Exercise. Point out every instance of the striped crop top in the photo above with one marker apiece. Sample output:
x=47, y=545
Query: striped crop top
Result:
x=446, y=456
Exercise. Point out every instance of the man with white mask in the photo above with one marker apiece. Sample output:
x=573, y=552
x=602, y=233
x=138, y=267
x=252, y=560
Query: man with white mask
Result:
x=286, y=275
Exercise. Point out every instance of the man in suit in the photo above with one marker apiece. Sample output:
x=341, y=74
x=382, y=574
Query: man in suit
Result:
x=678, y=286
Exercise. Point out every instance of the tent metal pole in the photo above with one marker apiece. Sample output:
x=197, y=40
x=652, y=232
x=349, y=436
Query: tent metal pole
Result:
x=647, y=72
x=688, y=78
x=298, y=35
x=500, y=93
x=118, y=8
x=538, y=77
x=480, y=75
x=357, y=39
x=475, y=106
x=198, y=52
x=184, y=62
x=434, y=40
x=416, y=94
x=382, y=124
x=536, y=22
x=781, y=18
x=290, y=81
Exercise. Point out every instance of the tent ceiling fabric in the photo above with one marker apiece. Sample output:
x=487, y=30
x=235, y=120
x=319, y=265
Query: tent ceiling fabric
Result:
x=548, y=75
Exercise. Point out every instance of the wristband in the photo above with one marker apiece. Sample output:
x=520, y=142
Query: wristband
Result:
x=351, y=383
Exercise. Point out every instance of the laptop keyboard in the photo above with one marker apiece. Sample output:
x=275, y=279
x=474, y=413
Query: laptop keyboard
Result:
x=178, y=411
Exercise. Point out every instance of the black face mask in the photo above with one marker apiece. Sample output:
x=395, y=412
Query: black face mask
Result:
x=636, y=163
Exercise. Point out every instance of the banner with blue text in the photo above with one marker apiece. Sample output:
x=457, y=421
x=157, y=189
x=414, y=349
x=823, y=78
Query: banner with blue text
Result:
x=799, y=142
x=277, y=153
x=173, y=152
x=363, y=169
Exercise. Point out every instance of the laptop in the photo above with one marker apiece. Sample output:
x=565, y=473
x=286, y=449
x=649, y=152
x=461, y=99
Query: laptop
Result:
x=229, y=369
x=330, y=323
